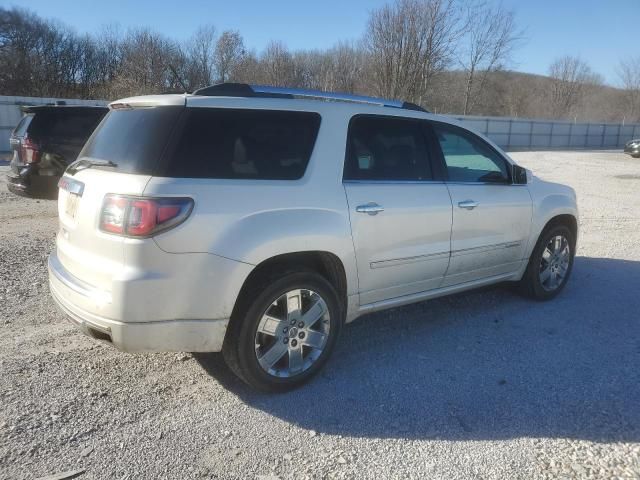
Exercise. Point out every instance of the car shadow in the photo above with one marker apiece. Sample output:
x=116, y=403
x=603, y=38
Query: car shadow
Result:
x=481, y=365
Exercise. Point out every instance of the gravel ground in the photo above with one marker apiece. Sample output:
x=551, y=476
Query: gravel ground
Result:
x=481, y=385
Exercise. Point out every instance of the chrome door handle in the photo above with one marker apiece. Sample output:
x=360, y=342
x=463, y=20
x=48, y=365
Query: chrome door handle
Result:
x=468, y=204
x=370, y=208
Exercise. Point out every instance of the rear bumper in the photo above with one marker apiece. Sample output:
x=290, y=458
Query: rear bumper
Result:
x=28, y=182
x=149, y=336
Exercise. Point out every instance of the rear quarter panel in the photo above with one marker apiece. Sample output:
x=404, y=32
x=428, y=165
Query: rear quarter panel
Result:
x=251, y=221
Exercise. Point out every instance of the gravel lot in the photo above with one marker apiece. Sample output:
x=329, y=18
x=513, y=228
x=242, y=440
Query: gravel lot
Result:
x=481, y=385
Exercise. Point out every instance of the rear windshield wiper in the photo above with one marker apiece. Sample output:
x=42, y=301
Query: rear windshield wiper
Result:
x=88, y=163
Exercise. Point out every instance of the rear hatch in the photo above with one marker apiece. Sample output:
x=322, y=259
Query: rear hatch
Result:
x=119, y=158
x=49, y=138
x=61, y=132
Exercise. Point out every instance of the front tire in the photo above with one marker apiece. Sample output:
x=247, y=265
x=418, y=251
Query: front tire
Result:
x=283, y=331
x=550, y=264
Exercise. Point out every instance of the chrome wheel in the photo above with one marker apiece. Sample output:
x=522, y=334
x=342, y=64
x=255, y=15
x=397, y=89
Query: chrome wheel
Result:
x=292, y=333
x=554, y=264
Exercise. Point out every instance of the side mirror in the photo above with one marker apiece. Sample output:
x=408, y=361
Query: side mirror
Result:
x=519, y=175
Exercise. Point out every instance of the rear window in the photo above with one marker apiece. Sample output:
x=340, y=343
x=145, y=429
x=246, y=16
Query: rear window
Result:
x=134, y=138
x=244, y=144
x=22, y=126
x=64, y=125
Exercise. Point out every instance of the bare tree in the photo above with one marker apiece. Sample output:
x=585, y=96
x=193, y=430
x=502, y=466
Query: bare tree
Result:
x=228, y=54
x=489, y=43
x=444, y=29
x=410, y=42
x=19, y=32
x=248, y=69
x=629, y=73
x=200, y=61
x=570, y=76
x=345, y=67
x=145, y=67
x=407, y=52
x=278, y=67
x=337, y=69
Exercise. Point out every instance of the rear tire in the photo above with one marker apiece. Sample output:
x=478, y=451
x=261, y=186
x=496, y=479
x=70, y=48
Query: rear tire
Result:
x=550, y=264
x=268, y=345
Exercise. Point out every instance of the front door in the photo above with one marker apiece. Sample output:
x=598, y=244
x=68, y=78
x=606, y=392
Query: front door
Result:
x=400, y=217
x=491, y=215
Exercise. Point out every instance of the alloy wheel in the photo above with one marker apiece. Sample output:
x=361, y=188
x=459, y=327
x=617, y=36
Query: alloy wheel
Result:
x=554, y=264
x=292, y=333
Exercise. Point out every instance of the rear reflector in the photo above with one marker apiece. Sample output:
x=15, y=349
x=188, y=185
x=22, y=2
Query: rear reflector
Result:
x=142, y=217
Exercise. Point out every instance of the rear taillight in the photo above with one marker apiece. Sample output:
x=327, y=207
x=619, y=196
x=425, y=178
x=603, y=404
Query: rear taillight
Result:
x=142, y=217
x=30, y=151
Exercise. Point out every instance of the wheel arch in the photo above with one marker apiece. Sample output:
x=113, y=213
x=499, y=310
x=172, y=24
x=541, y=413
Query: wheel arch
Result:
x=324, y=263
x=567, y=218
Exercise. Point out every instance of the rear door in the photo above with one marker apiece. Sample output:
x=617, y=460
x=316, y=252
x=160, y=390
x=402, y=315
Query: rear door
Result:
x=491, y=215
x=400, y=216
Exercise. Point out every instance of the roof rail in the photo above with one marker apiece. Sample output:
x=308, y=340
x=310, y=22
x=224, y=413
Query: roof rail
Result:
x=266, y=91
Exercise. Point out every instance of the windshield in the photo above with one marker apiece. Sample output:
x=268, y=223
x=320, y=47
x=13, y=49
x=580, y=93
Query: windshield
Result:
x=132, y=138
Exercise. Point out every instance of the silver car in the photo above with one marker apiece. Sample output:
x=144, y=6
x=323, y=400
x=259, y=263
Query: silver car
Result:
x=632, y=147
x=257, y=221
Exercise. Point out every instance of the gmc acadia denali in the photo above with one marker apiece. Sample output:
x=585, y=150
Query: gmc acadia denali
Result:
x=258, y=220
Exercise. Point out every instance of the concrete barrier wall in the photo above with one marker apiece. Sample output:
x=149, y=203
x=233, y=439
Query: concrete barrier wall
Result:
x=532, y=134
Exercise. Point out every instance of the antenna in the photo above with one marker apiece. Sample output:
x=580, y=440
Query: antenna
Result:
x=177, y=77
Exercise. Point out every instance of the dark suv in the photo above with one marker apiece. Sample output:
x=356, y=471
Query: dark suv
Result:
x=47, y=139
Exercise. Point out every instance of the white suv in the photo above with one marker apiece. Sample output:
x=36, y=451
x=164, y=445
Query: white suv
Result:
x=251, y=221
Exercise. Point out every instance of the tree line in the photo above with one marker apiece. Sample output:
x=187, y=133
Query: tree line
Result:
x=450, y=56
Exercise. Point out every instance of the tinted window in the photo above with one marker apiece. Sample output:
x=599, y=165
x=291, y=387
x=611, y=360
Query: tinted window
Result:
x=22, y=126
x=468, y=158
x=65, y=125
x=383, y=148
x=236, y=144
x=133, y=138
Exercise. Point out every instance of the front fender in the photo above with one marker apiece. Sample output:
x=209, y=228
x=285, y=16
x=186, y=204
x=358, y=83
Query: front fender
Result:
x=546, y=207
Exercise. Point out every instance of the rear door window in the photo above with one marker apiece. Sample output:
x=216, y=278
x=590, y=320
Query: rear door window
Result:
x=386, y=148
x=244, y=144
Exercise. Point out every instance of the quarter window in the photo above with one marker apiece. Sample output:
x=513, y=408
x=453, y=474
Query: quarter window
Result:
x=386, y=148
x=244, y=144
x=468, y=158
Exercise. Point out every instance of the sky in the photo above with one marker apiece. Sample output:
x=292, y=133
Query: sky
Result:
x=599, y=31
